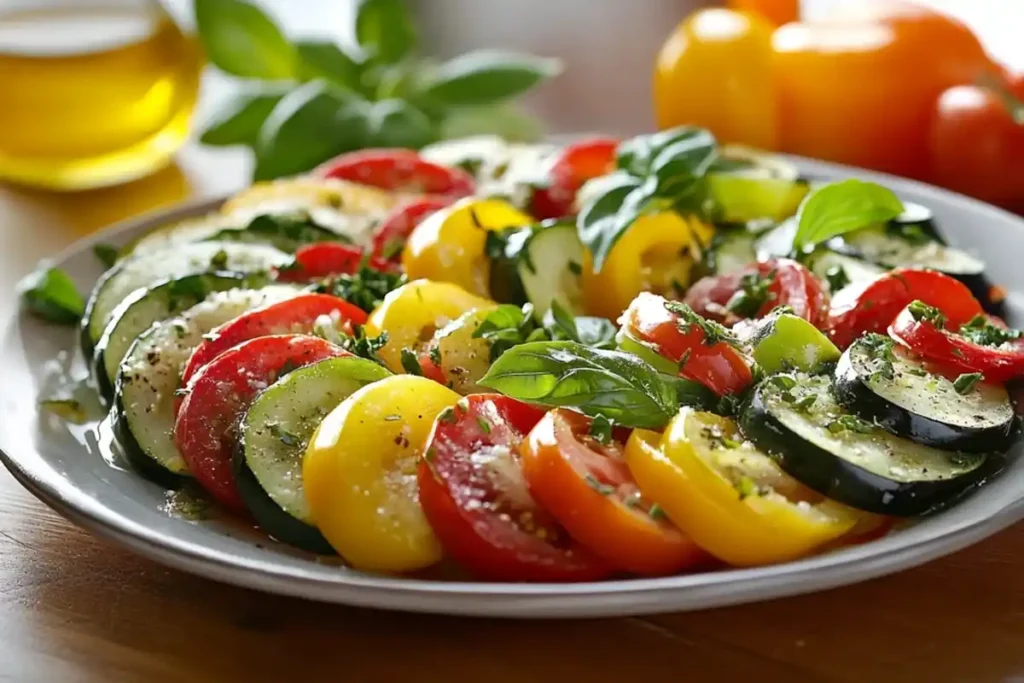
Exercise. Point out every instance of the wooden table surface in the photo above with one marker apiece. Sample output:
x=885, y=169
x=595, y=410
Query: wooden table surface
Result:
x=74, y=608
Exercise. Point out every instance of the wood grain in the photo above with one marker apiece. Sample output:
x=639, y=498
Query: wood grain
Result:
x=73, y=608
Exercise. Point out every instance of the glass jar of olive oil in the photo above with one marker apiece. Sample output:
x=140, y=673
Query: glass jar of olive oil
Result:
x=92, y=92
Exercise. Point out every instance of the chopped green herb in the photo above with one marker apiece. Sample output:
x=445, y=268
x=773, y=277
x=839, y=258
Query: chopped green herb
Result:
x=783, y=381
x=850, y=423
x=180, y=328
x=752, y=295
x=980, y=330
x=656, y=512
x=601, y=429
x=922, y=312
x=746, y=487
x=219, y=260
x=688, y=319
x=447, y=416
x=917, y=372
x=50, y=294
x=435, y=354
x=632, y=500
x=597, y=485
x=965, y=382
x=836, y=278
x=106, y=253
x=728, y=405
x=575, y=268
x=282, y=434
x=684, y=358
x=410, y=363
x=365, y=347
x=65, y=408
x=484, y=425
x=806, y=403
x=365, y=289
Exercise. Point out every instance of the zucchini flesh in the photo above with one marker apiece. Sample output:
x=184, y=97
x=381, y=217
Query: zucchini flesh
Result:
x=882, y=383
x=888, y=248
x=144, y=392
x=274, y=434
x=732, y=249
x=143, y=308
x=145, y=270
x=550, y=269
x=847, y=459
x=831, y=266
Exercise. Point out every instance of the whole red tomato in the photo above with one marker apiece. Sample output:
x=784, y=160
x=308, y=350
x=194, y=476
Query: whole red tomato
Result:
x=976, y=145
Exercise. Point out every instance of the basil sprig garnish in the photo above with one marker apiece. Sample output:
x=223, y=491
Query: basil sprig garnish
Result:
x=507, y=326
x=659, y=172
x=841, y=207
x=614, y=385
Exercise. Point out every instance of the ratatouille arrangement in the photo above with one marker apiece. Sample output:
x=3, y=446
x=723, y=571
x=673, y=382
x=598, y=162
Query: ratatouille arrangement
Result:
x=554, y=363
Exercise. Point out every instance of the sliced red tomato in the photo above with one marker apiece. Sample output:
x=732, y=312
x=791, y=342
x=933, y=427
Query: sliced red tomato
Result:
x=324, y=259
x=587, y=486
x=294, y=316
x=1000, y=360
x=390, y=236
x=431, y=370
x=872, y=307
x=718, y=365
x=757, y=289
x=476, y=498
x=399, y=170
x=206, y=429
x=574, y=165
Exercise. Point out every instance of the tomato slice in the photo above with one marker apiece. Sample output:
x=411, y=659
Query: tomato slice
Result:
x=873, y=306
x=399, y=170
x=219, y=394
x=719, y=366
x=390, y=236
x=757, y=289
x=294, y=316
x=324, y=259
x=574, y=165
x=474, y=494
x=587, y=486
x=431, y=370
x=1000, y=360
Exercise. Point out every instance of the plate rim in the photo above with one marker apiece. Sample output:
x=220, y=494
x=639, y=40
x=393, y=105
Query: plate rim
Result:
x=470, y=598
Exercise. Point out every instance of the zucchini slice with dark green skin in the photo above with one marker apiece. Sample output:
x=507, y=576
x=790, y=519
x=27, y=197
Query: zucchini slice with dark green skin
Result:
x=272, y=440
x=796, y=419
x=144, y=307
x=881, y=383
x=731, y=250
x=149, y=375
x=147, y=269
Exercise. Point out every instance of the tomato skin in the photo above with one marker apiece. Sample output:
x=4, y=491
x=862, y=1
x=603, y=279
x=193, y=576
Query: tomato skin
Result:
x=390, y=236
x=398, y=170
x=219, y=394
x=497, y=533
x=715, y=71
x=285, y=317
x=876, y=65
x=575, y=164
x=956, y=353
x=792, y=285
x=720, y=367
x=871, y=307
x=562, y=469
x=976, y=147
x=324, y=259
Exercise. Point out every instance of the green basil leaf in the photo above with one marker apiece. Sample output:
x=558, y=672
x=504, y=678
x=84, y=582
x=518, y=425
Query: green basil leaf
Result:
x=106, y=253
x=841, y=207
x=396, y=123
x=307, y=127
x=241, y=40
x=239, y=119
x=507, y=326
x=50, y=294
x=323, y=59
x=504, y=119
x=603, y=221
x=692, y=393
x=616, y=385
x=644, y=153
x=487, y=76
x=598, y=333
x=560, y=323
x=385, y=30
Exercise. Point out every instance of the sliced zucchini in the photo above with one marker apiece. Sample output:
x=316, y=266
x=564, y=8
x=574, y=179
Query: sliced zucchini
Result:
x=147, y=269
x=796, y=419
x=143, y=308
x=839, y=270
x=783, y=342
x=731, y=250
x=273, y=438
x=176, y=234
x=144, y=392
x=287, y=232
x=463, y=358
x=550, y=267
x=777, y=242
x=880, y=382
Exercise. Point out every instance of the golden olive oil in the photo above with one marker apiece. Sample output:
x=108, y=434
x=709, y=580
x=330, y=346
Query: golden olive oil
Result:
x=92, y=97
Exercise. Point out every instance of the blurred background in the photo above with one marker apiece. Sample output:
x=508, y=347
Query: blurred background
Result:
x=101, y=93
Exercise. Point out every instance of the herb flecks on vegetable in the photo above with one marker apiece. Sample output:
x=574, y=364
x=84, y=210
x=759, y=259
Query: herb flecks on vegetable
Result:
x=964, y=384
x=601, y=430
x=410, y=363
x=850, y=423
x=922, y=312
x=50, y=294
x=752, y=295
x=688, y=319
x=841, y=207
x=365, y=289
x=980, y=330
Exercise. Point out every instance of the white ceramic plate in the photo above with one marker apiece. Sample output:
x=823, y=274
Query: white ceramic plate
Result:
x=64, y=467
